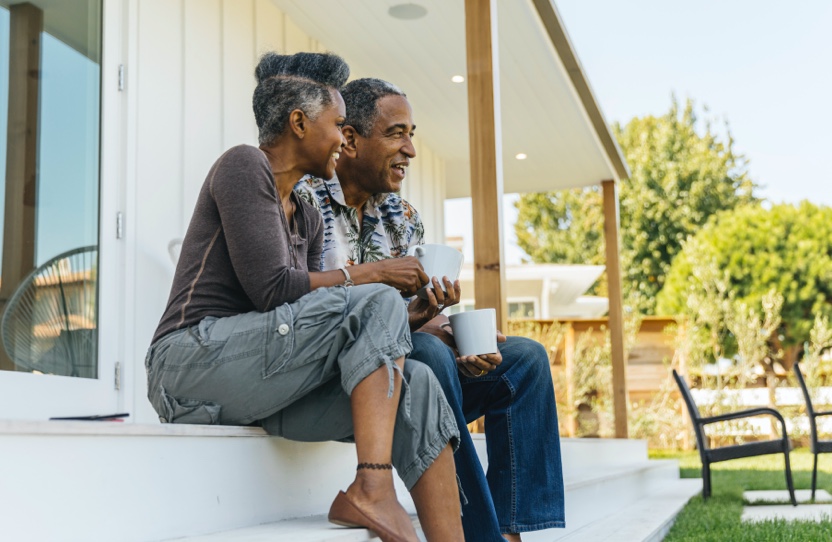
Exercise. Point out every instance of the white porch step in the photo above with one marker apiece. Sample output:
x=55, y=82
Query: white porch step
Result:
x=593, y=495
x=601, y=476
x=102, y=481
x=592, y=452
x=646, y=520
x=312, y=529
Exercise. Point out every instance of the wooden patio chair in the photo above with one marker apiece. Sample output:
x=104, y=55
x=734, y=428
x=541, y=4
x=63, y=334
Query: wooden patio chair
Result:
x=818, y=446
x=724, y=453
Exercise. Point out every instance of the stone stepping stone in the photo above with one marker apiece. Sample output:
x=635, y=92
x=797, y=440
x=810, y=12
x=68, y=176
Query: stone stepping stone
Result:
x=803, y=512
x=782, y=495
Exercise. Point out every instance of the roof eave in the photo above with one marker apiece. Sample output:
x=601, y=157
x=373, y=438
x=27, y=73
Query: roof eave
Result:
x=556, y=30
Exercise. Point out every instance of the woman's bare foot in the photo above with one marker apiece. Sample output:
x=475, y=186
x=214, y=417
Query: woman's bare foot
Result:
x=373, y=492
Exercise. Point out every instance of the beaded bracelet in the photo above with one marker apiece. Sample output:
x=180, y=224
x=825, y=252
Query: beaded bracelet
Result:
x=375, y=466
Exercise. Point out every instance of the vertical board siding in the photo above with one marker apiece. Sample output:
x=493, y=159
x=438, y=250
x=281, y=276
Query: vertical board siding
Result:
x=440, y=184
x=157, y=81
x=159, y=125
x=268, y=28
x=420, y=186
x=238, y=58
x=202, y=99
x=295, y=39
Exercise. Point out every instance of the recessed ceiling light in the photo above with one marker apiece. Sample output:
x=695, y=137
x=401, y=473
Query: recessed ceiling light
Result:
x=521, y=156
x=458, y=79
x=407, y=11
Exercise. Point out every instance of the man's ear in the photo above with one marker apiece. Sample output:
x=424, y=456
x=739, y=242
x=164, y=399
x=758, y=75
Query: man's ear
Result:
x=297, y=123
x=350, y=135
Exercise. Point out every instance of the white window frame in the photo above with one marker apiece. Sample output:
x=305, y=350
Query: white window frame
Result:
x=528, y=299
x=26, y=396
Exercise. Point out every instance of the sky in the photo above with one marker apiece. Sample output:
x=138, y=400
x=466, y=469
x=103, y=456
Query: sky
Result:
x=765, y=67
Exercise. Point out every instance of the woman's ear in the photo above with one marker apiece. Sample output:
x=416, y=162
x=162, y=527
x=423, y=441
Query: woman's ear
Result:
x=297, y=123
x=350, y=135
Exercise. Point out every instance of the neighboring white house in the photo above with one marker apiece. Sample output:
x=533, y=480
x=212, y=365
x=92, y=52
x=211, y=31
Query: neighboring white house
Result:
x=543, y=291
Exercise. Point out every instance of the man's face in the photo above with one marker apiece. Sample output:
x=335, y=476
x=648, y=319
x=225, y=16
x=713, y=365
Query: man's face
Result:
x=382, y=158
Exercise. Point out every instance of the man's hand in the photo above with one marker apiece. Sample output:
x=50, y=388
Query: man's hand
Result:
x=469, y=366
x=421, y=311
x=477, y=366
x=404, y=274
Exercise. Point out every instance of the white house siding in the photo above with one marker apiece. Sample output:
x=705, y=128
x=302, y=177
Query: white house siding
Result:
x=424, y=187
x=192, y=80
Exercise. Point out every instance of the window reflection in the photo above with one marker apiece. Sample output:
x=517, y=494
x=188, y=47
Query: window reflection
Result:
x=49, y=132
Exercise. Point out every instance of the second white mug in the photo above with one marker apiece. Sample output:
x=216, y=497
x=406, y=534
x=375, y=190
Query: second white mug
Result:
x=475, y=332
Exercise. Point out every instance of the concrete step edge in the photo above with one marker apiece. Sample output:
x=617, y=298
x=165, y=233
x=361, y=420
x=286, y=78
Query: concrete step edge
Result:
x=648, y=519
x=308, y=529
x=578, y=478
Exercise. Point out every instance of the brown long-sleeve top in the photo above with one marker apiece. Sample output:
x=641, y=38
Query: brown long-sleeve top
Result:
x=236, y=256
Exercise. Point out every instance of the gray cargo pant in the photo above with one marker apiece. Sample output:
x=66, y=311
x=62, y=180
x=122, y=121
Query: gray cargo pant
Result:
x=294, y=368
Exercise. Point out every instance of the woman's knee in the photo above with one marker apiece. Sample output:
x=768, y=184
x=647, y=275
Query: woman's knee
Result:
x=381, y=301
x=380, y=294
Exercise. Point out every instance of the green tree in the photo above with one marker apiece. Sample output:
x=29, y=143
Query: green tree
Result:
x=682, y=172
x=785, y=248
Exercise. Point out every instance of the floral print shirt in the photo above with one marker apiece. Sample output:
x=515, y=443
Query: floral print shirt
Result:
x=390, y=225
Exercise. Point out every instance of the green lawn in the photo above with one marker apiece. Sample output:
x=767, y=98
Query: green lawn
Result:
x=718, y=519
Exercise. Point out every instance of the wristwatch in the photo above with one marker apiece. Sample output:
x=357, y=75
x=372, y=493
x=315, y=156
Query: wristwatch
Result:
x=347, y=279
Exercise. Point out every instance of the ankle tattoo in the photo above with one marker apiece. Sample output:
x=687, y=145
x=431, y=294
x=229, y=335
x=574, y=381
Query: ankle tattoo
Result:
x=375, y=466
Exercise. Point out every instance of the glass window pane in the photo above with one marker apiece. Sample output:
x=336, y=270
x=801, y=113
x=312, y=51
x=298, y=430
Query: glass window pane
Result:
x=50, y=77
x=521, y=309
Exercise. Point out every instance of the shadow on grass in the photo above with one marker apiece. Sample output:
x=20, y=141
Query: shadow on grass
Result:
x=718, y=519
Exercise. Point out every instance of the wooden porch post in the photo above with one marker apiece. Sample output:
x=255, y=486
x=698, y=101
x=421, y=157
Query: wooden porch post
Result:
x=616, y=313
x=571, y=424
x=25, y=27
x=486, y=155
x=683, y=369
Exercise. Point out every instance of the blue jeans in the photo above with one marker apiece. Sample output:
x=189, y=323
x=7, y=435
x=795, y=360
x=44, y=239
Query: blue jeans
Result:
x=523, y=489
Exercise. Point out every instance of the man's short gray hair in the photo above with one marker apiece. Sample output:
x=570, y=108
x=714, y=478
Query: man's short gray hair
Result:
x=288, y=82
x=361, y=99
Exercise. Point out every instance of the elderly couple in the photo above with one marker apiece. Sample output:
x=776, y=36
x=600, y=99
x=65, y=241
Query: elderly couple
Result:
x=286, y=311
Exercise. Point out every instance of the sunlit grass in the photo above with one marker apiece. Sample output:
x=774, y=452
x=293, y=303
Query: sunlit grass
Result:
x=718, y=519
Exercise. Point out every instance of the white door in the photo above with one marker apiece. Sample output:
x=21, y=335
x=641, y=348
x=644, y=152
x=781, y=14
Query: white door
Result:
x=61, y=150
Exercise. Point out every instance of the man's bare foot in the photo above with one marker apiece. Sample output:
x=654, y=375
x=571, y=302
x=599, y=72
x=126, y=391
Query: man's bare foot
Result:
x=374, y=493
x=512, y=537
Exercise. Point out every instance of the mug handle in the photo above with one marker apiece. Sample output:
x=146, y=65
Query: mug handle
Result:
x=419, y=251
x=448, y=326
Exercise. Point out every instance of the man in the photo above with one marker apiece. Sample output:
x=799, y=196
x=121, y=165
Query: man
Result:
x=366, y=221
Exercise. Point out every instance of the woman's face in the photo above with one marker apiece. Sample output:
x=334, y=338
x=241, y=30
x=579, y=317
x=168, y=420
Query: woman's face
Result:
x=324, y=139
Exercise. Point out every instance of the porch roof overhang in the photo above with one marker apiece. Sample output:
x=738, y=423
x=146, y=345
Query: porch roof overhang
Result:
x=548, y=108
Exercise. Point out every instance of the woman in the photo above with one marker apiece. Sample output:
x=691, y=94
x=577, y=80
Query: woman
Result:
x=253, y=333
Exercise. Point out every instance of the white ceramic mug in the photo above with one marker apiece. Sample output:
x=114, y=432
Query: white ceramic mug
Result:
x=437, y=261
x=475, y=332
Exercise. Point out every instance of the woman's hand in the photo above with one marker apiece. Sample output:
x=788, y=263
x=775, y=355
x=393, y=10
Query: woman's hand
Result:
x=421, y=311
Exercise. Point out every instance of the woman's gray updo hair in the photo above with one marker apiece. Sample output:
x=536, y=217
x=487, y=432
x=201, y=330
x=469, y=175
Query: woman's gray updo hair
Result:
x=288, y=82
